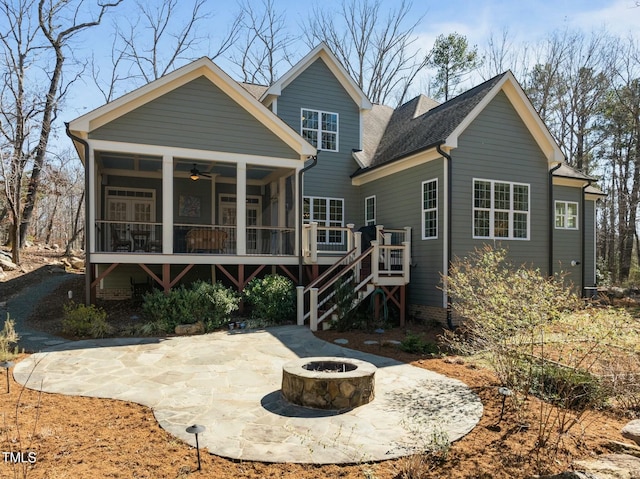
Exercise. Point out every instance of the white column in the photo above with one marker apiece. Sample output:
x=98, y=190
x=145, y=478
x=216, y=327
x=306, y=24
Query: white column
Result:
x=241, y=210
x=300, y=305
x=92, y=197
x=167, y=204
x=282, y=214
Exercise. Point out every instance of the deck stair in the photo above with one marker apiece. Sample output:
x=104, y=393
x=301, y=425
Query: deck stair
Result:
x=355, y=275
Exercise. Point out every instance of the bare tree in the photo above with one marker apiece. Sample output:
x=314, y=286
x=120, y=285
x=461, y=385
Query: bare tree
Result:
x=156, y=41
x=263, y=43
x=378, y=52
x=36, y=33
x=501, y=54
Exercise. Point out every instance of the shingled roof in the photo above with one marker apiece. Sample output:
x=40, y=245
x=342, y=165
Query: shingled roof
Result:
x=409, y=130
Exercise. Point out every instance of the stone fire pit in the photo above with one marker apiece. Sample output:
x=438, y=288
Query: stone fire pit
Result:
x=328, y=382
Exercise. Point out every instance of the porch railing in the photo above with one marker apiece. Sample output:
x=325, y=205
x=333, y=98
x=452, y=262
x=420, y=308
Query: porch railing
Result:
x=204, y=239
x=222, y=239
x=128, y=237
x=326, y=240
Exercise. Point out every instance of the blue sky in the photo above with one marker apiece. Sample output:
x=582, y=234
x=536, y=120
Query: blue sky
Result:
x=527, y=21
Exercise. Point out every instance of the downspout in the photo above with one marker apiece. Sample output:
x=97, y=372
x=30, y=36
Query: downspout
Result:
x=583, y=216
x=552, y=215
x=87, y=252
x=449, y=217
x=314, y=161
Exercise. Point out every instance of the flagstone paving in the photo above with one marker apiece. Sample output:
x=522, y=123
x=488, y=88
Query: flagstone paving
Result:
x=229, y=382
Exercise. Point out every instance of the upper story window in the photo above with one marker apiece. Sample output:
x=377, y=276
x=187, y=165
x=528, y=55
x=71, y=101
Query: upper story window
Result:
x=500, y=210
x=370, y=211
x=566, y=215
x=430, y=209
x=320, y=128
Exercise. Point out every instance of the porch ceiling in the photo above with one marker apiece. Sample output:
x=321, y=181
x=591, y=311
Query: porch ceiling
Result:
x=124, y=162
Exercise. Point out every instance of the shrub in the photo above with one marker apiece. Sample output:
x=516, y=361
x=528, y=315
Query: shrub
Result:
x=272, y=298
x=416, y=344
x=203, y=301
x=85, y=321
x=221, y=302
x=8, y=336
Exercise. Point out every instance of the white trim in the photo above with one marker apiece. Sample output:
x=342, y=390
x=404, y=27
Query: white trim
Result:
x=167, y=204
x=566, y=215
x=194, y=154
x=423, y=210
x=92, y=195
x=396, y=167
x=373, y=220
x=241, y=209
x=201, y=67
x=319, y=130
x=492, y=210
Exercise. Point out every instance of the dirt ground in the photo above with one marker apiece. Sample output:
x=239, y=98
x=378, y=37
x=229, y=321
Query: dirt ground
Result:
x=87, y=438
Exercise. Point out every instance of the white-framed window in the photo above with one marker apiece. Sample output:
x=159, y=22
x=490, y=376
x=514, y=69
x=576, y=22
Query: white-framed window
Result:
x=500, y=210
x=326, y=212
x=370, y=210
x=566, y=215
x=430, y=209
x=320, y=128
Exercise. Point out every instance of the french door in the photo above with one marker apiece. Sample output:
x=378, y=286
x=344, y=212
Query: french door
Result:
x=228, y=217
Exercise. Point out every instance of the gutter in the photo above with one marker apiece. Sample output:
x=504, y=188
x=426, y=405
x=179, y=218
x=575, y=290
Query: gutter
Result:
x=449, y=218
x=552, y=215
x=314, y=162
x=87, y=228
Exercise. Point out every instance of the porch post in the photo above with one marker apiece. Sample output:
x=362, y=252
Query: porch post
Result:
x=241, y=210
x=167, y=204
x=92, y=194
x=282, y=214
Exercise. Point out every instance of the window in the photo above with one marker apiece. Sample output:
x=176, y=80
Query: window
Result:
x=566, y=215
x=500, y=210
x=320, y=128
x=326, y=212
x=430, y=209
x=370, y=211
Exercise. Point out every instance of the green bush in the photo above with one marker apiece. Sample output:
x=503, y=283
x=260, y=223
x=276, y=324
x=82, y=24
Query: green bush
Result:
x=416, y=344
x=202, y=301
x=272, y=298
x=85, y=321
x=566, y=387
x=220, y=303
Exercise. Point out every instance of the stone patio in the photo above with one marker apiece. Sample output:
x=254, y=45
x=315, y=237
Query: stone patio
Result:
x=230, y=383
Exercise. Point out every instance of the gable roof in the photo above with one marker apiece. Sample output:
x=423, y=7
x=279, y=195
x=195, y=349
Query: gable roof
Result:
x=88, y=122
x=323, y=52
x=408, y=132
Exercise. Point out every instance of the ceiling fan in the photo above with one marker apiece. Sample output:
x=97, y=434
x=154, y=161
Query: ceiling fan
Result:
x=196, y=174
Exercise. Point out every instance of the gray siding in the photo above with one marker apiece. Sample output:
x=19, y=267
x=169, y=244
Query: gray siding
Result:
x=197, y=115
x=317, y=89
x=498, y=146
x=567, y=244
x=399, y=204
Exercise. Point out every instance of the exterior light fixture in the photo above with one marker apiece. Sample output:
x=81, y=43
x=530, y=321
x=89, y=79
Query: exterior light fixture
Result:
x=6, y=365
x=197, y=429
x=505, y=392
